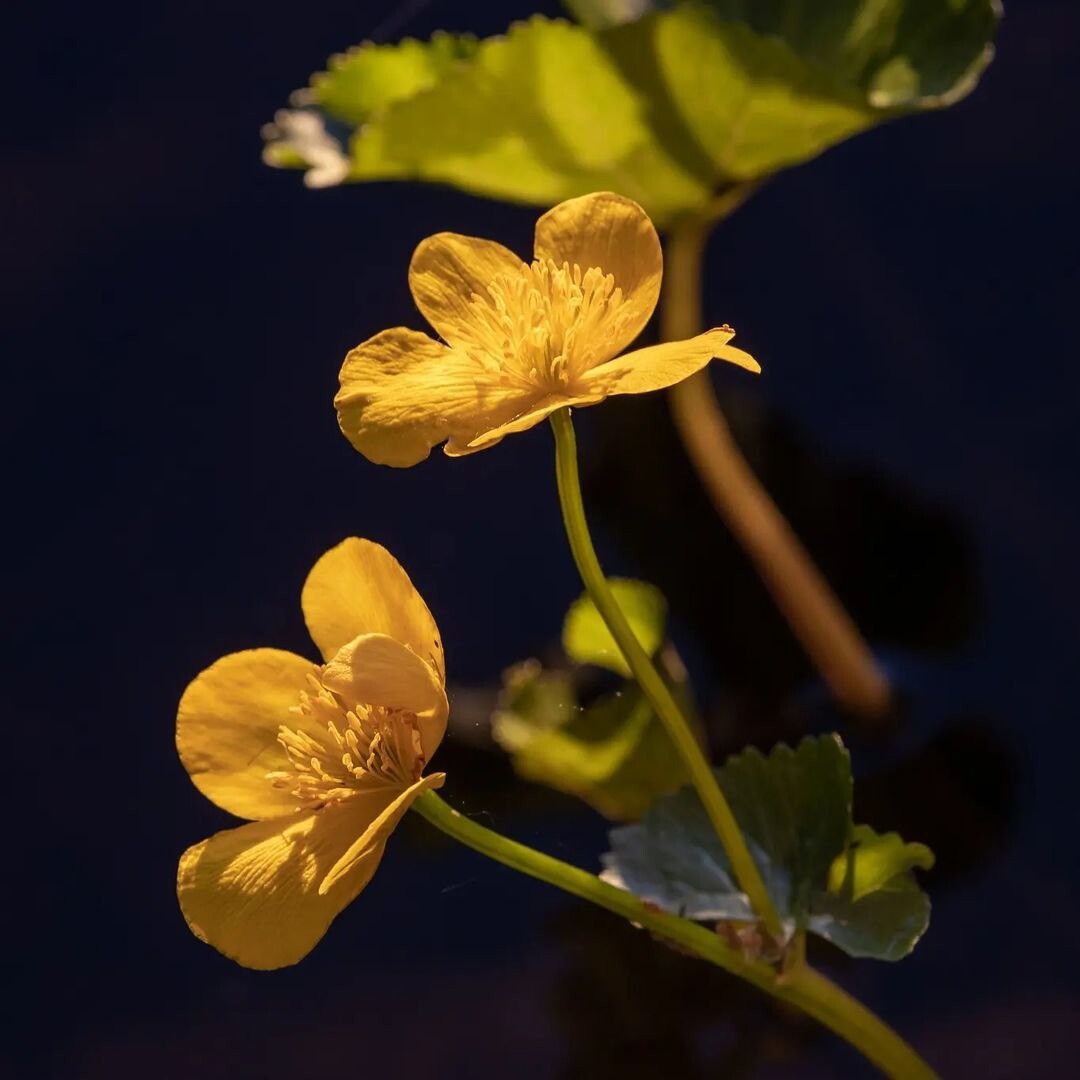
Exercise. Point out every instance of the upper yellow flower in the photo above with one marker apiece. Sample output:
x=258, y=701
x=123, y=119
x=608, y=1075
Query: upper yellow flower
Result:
x=324, y=759
x=522, y=339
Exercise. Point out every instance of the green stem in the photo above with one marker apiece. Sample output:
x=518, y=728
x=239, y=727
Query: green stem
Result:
x=652, y=685
x=804, y=988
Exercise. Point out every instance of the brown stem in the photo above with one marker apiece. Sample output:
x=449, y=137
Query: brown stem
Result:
x=811, y=608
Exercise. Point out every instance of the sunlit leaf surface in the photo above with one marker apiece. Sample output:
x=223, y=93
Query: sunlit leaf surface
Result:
x=666, y=108
x=873, y=906
x=614, y=754
x=587, y=640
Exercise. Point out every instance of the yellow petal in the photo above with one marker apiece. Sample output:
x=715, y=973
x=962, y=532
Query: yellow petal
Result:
x=615, y=234
x=358, y=587
x=447, y=271
x=377, y=832
x=664, y=365
x=521, y=423
x=253, y=892
x=374, y=669
x=403, y=393
x=227, y=727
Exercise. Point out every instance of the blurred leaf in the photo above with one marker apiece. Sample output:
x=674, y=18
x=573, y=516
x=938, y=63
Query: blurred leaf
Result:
x=614, y=754
x=873, y=906
x=667, y=108
x=872, y=860
x=587, y=640
x=533, y=701
x=794, y=807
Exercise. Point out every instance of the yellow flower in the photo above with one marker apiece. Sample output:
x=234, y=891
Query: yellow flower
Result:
x=325, y=760
x=522, y=339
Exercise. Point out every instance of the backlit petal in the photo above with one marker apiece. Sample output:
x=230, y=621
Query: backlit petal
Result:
x=227, y=727
x=403, y=393
x=615, y=234
x=521, y=423
x=377, y=832
x=447, y=271
x=374, y=669
x=358, y=587
x=253, y=892
x=664, y=365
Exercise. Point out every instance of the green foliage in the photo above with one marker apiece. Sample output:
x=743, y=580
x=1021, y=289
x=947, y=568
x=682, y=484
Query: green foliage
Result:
x=614, y=754
x=873, y=906
x=369, y=78
x=872, y=860
x=667, y=108
x=843, y=882
x=897, y=53
x=587, y=640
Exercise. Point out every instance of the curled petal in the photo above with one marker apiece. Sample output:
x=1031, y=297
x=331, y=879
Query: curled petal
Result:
x=374, y=669
x=448, y=271
x=227, y=728
x=521, y=423
x=403, y=393
x=376, y=833
x=613, y=233
x=660, y=366
x=253, y=892
x=358, y=587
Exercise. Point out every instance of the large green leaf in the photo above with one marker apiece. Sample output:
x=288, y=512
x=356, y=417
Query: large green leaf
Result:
x=842, y=882
x=666, y=108
x=614, y=754
x=587, y=640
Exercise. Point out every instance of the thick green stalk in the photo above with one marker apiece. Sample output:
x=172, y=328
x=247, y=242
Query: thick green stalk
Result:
x=803, y=987
x=652, y=685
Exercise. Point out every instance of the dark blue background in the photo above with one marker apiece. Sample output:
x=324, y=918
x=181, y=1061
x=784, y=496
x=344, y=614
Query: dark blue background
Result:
x=177, y=316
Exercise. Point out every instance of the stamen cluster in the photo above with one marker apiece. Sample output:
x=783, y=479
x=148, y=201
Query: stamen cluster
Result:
x=365, y=747
x=547, y=325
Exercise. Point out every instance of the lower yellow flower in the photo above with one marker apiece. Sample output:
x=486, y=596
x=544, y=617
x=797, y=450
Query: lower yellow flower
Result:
x=324, y=760
x=522, y=339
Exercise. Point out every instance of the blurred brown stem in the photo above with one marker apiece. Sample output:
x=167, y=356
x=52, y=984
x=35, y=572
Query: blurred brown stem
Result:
x=811, y=608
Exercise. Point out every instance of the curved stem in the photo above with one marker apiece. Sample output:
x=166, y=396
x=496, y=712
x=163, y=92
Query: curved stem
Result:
x=810, y=606
x=652, y=685
x=804, y=988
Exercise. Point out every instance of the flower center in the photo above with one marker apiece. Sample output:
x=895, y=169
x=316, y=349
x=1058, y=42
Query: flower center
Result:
x=547, y=325
x=364, y=747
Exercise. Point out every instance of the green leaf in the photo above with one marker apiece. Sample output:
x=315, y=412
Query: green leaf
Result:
x=872, y=860
x=363, y=82
x=884, y=925
x=666, y=108
x=794, y=806
x=614, y=755
x=587, y=640
x=540, y=114
x=899, y=53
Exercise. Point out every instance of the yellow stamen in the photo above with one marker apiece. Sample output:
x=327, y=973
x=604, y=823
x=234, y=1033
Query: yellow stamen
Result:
x=366, y=746
x=545, y=327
